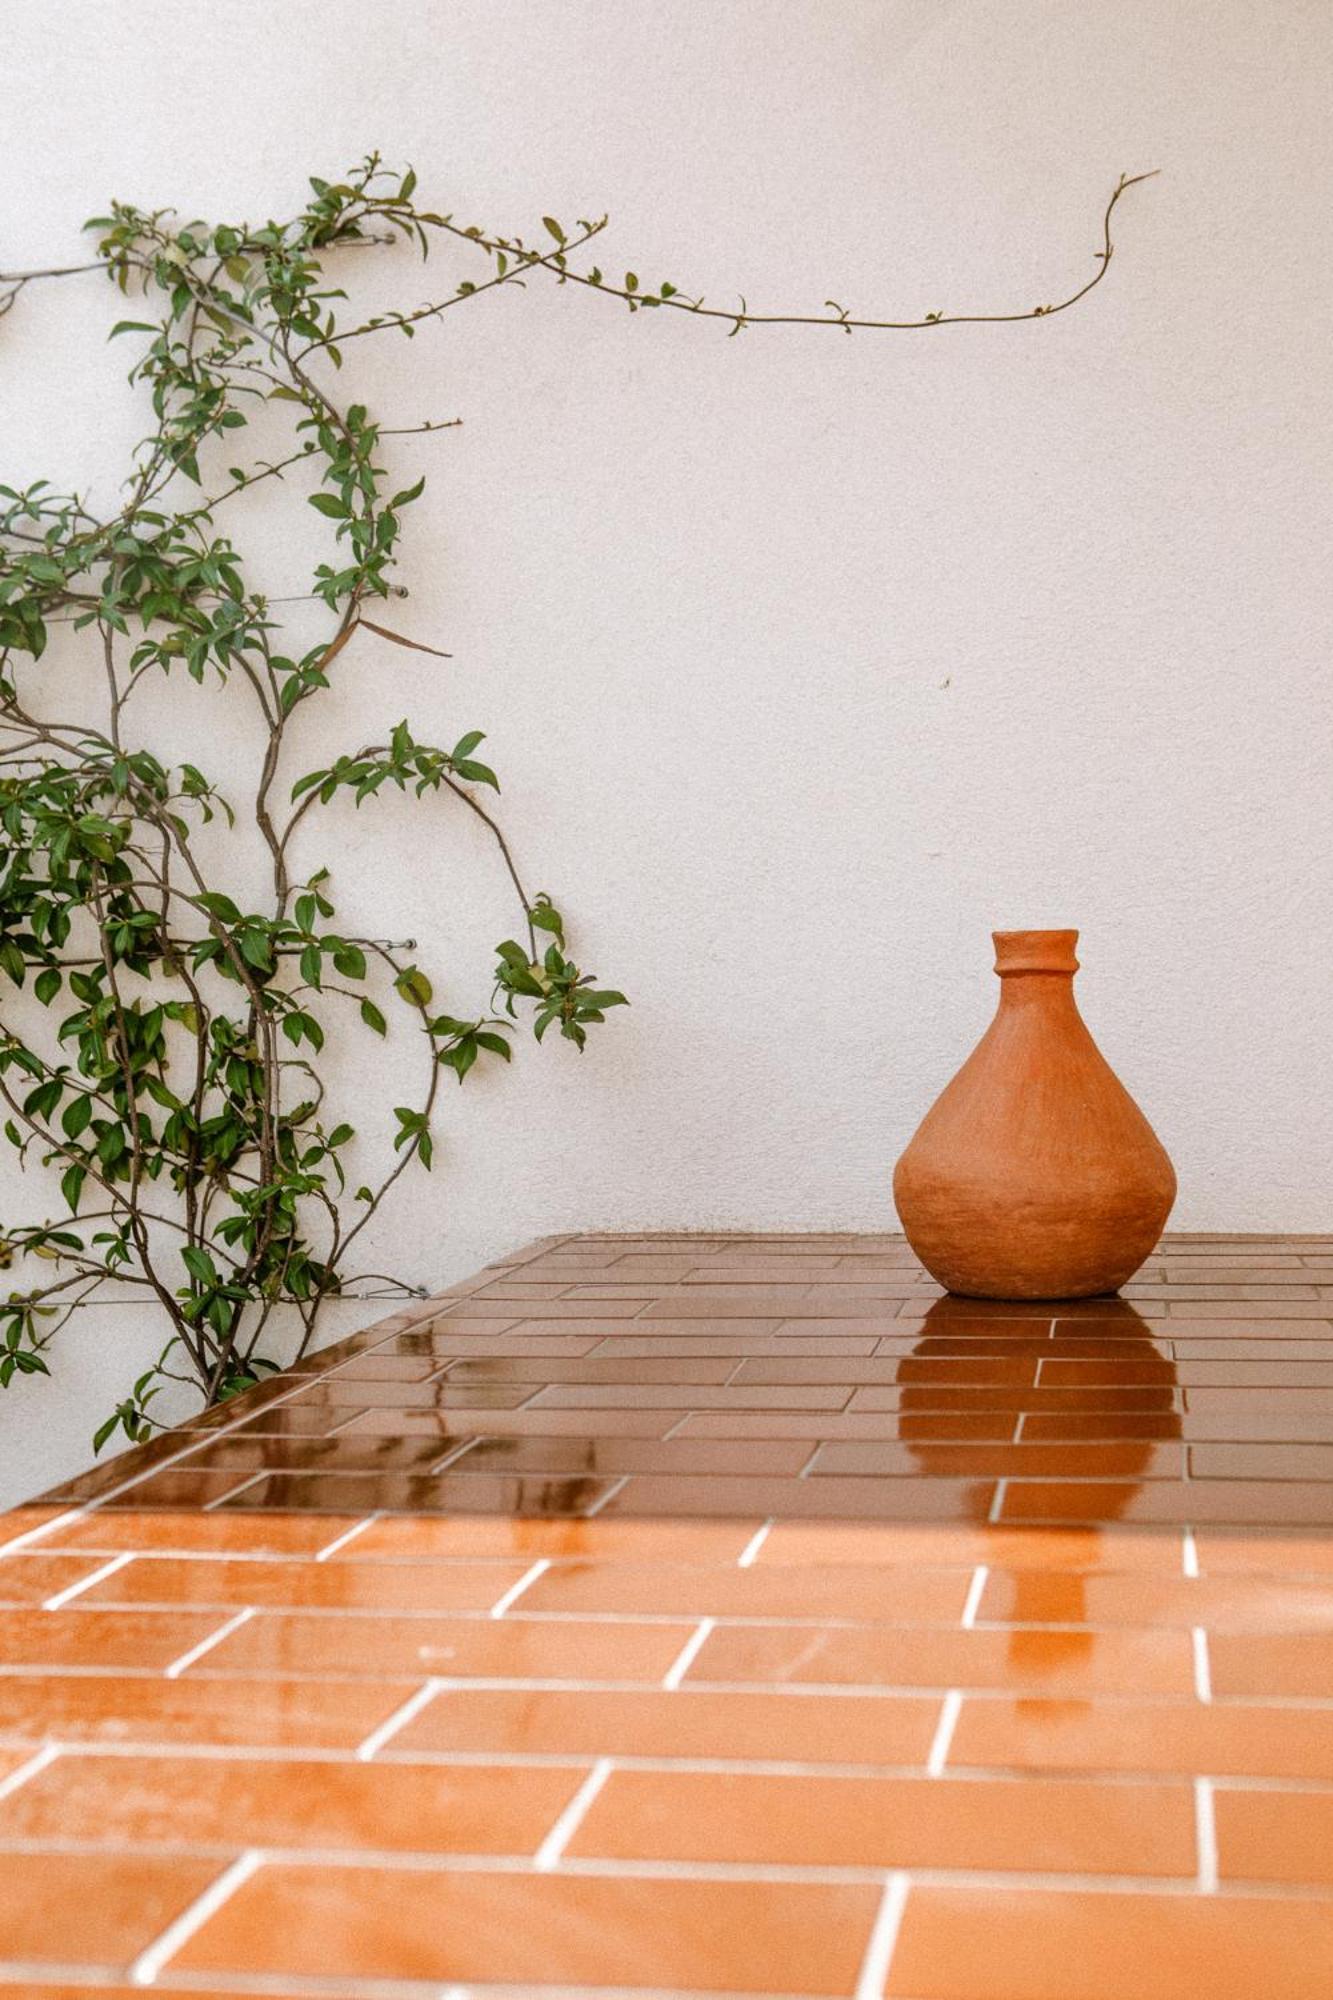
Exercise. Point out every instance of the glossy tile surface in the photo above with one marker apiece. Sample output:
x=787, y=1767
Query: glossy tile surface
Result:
x=671, y=1616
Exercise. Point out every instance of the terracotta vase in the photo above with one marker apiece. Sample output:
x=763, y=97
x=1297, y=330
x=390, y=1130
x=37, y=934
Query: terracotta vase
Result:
x=1035, y=1175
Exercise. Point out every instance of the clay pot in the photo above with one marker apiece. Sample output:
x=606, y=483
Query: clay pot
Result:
x=1035, y=1175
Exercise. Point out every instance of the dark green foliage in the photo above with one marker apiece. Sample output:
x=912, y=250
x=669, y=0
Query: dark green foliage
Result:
x=173, y=1082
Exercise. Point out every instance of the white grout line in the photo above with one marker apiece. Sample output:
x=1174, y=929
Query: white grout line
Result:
x=241, y=1486
x=1018, y=1427
x=1203, y=1678
x=753, y=1546
x=883, y=1937
x=974, y=1593
x=943, y=1737
x=1001, y=1487
x=684, y=1659
x=73, y=1590
x=609, y=1494
x=516, y=1590
x=46, y=1755
x=149, y=1963
x=177, y=1667
x=1205, y=1833
x=348, y=1535
x=402, y=1715
x=1189, y=1553
x=571, y=1818
x=42, y=1529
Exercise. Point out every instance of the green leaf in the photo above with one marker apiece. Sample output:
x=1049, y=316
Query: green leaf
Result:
x=47, y=984
x=408, y=494
x=133, y=326
x=326, y=503
x=76, y=1116
x=414, y=986
x=373, y=1018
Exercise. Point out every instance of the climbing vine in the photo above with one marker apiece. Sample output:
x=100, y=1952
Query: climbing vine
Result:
x=160, y=1036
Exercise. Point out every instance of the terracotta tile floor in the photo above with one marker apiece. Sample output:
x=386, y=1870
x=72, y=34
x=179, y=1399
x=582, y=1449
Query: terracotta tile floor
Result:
x=670, y=1616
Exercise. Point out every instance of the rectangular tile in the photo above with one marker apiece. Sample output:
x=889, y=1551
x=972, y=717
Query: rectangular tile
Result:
x=535, y=1930
x=1193, y=1500
x=866, y=1499
x=943, y=1546
x=1004, y=1461
x=230, y=1802
x=398, y=1539
x=1274, y=1836
x=661, y=1395
x=1040, y=1825
x=321, y=1586
x=609, y=1458
x=359, y=1646
x=125, y=1708
x=855, y=1594
x=1122, y=1662
x=1253, y=1667
x=93, y=1910
x=407, y=1493
x=1080, y=1946
x=684, y=1723
x=1185, y=1737
x=1220, y=1603
x=108, y=1640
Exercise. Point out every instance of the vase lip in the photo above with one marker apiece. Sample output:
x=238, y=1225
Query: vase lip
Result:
x=1035, y=951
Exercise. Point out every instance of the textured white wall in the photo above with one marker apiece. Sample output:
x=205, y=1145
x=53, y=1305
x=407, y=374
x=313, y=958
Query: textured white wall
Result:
x=805, y=660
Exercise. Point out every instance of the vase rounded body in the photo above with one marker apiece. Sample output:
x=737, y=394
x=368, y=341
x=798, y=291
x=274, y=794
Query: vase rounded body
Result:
x=1034, y=1175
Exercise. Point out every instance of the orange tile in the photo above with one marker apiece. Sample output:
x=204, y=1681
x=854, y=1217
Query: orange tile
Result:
x=110, y=1708
x=235, y=1802
x=1190, y=1738
x=357, y=1645
x=1094, y=1548
x=1045, y=1662
x=1288, y=1663
x=455, y=1424
x=1109, y=1947
x=538, y=1930
x=31, y=1579
x=600, y=1540
x=1005, y=1461
x=837, y=1729
x=1040, y=1825
x=206, y=1534
x=90, y=1909
x=326, y=1586
x=868, y=1499
x=1222, y=1604
x=1265, y=1550
x=146, y=1641
x=1274, y=1836
x=1261, y=1461
x=601, y=1457
x=445, y=1492
x=1202, y=1500
x=932, y=1597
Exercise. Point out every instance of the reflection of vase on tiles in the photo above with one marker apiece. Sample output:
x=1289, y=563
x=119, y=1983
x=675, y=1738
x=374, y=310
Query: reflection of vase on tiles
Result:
x=1034, y=1175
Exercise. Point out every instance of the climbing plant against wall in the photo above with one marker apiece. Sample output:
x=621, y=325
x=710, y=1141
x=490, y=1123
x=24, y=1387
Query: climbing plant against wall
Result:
x=162, y=1038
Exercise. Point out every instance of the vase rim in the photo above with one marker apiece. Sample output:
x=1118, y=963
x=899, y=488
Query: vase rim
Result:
x=1035, y=951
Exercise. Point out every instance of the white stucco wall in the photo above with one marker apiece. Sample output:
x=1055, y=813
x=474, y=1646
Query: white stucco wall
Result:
x=804, y=660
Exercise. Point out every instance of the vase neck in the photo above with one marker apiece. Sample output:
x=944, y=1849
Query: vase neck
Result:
x=1043, y=954
x=1036, y=970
